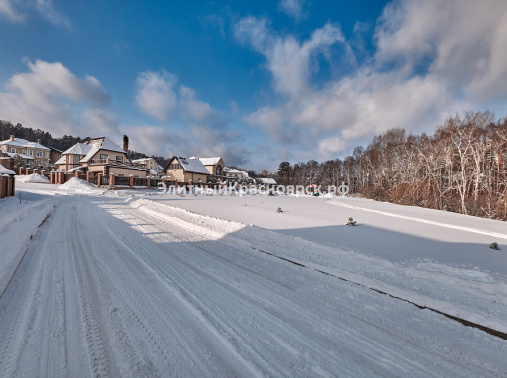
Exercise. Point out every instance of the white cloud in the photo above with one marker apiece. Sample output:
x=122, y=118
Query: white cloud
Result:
x=432, y=59
x=49, y=13
x=288, y=60
x=195, y=128
x=293, y=8
x=17, y=11
x=8, y=11
x=155, y=93
x=52, y=98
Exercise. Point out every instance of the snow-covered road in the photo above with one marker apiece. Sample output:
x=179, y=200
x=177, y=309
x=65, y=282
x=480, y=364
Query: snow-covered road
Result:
x=110, y=286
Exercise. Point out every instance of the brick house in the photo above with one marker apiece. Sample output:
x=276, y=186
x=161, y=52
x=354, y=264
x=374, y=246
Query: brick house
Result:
x=33, y=154
x=100, y=155
x=186, y=169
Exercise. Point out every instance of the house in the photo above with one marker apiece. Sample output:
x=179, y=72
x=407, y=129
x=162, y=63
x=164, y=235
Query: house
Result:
x=186, y=169
x=214, y=165
x=100, y=155
x=266, y=181
x=33, y=154
x=235, y=175
x=149, y=163
x=54, y=155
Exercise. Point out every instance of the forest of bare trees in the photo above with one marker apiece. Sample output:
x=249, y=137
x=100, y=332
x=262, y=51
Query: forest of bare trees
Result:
x=460, y=168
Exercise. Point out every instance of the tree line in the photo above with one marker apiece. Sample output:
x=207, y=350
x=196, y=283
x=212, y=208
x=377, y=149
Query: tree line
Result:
x=460, y=168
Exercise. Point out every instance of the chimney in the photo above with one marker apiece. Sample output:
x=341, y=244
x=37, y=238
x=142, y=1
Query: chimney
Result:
x=126, y=144
x=12, y=137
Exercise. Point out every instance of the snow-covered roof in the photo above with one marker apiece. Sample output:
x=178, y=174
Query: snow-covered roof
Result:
x=153, y=172
x=141, y=160
x=5, y=171
x=78, y=149
x=93, y=150
x=18, y=142
x=267, y=180
x=192, y=165
x=23, y=156
x=243, y=173
x=210, y=161
x=60, y=161
x=90, y=147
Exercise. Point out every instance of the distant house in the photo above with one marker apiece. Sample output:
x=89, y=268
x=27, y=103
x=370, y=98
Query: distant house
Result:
x=266, y=181
x=186, y=169
x=32, y=154
x=149, y=163
x=235, y=175
x=214, y=165
x=99, y=155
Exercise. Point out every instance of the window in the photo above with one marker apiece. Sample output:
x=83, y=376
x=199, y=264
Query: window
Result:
x=103, y=156
x=13, y=150
x=119, y=158
x=31, y=152
x=76, y=159
x=23, y=152
x=174, y=166
x=39, y=154
x=47, y=155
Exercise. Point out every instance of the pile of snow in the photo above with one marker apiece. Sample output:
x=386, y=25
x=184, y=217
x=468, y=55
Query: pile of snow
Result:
x=77, y=185
x=34, y=177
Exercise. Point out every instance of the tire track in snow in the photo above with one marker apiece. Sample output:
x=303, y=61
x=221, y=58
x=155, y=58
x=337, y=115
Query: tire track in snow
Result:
x=254, y=306
x=87, y=294
x=151, y=262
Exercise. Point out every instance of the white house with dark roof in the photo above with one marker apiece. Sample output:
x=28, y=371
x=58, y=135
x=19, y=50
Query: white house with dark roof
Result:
x=32, y=153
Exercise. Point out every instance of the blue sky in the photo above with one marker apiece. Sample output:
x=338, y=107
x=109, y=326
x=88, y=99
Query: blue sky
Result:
x=255, y=82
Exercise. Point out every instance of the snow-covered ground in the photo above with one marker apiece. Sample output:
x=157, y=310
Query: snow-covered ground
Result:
x=134, y=283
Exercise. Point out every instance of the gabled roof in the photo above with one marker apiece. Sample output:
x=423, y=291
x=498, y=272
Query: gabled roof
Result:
x=190, y=165
x=266, y=180
x=210, y=161
x=78, y=149
x=18, y=142
x=90, y=147
x=60, y=161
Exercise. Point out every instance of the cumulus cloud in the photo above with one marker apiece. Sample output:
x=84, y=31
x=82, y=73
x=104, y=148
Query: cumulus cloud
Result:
x=189, y=126
x=155, y=93
x=52, y=98
x=432, y=59
x=17, y=11
x=293, y=8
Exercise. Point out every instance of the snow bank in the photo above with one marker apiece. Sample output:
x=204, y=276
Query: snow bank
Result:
x=34, y=178
x=19, y=222
x=78, y=185
x=475, y=295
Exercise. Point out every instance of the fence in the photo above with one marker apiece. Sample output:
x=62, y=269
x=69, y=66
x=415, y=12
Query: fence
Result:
x=139, y=181
x=121, y=181
x=104, y=180
x=7, y=186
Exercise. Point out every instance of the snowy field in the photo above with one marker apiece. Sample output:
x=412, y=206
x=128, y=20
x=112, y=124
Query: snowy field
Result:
x=132, y=283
